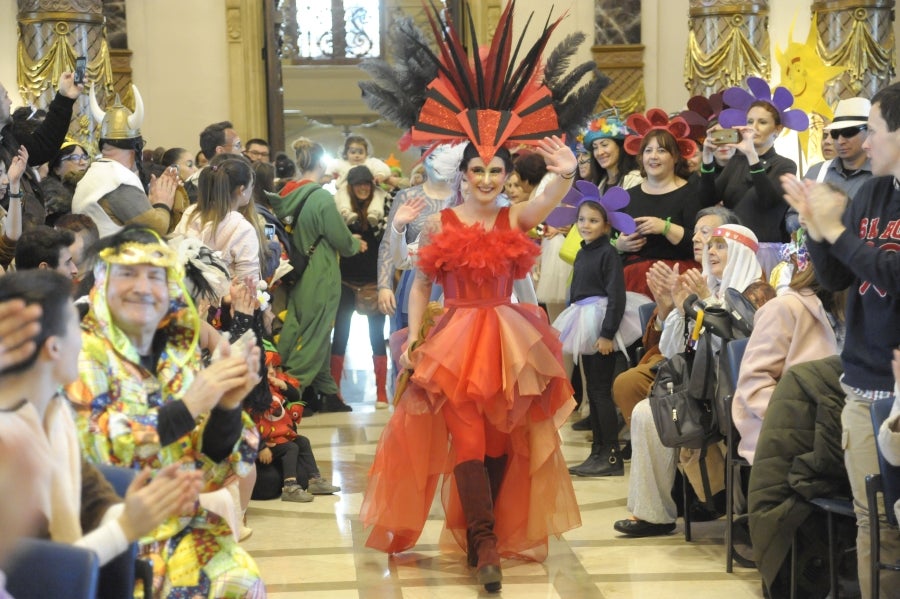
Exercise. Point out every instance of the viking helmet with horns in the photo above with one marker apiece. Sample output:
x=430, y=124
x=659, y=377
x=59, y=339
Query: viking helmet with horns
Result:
x=117, y=122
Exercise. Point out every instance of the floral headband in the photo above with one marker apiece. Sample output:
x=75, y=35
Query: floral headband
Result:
x=606, y=125
x=612, y=201
x=656, y=118
x=739, y=101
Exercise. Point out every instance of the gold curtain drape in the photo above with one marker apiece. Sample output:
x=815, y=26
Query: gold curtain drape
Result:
x=723, y=45
x=858, y=35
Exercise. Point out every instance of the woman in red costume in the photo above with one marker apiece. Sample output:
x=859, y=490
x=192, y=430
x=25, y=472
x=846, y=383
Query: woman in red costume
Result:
x=488, y=375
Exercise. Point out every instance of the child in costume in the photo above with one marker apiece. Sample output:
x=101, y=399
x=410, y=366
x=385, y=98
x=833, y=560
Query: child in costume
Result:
x=280, y=440
x=356, y=153
x=600, y=320
x=489, y=374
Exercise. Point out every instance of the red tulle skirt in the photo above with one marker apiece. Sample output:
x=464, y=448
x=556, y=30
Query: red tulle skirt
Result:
x=506, y=359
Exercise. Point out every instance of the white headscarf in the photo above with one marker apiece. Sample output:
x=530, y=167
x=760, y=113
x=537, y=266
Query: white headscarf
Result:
x=742, y=267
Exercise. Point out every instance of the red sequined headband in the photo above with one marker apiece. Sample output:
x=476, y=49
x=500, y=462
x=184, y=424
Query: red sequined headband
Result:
x=735, y=236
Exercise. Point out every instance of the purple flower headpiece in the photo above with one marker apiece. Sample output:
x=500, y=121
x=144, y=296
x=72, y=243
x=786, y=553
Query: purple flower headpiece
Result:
x=612, y=201
x=739, y=101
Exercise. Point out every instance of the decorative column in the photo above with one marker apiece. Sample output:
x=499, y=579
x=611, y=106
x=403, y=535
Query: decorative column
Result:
x=52, y=33
x=247, y=69
x=858, y=35
x=724, y=44
x=619, y=54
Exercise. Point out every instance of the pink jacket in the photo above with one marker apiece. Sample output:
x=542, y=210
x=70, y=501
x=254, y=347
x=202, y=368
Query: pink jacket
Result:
x=789, y=329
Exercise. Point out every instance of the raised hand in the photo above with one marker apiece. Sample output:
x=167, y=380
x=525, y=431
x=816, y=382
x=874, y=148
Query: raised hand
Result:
x=558, y=157
x=67, y=86
x=163, y=188
x=407, y=212
x=17, y=168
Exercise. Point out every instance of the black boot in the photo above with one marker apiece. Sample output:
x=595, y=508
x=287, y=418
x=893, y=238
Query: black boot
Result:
x=475, y=496
x=603, y=461
x=311, y=402
x=332, y=402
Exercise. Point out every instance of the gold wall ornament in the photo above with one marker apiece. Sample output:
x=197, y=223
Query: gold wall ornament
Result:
x=51, y=35
x=857, y=35
x=624, y=65
x=723, y=44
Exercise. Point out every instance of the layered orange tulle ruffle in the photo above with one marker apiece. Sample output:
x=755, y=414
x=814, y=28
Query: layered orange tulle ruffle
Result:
x=507, y=360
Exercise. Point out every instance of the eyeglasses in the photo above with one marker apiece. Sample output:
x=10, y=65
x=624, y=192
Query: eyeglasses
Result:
x=76, y=158
x=257, y=154
x=847, y=132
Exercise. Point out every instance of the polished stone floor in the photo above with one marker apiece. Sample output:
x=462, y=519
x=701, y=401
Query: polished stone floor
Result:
x=318, y=549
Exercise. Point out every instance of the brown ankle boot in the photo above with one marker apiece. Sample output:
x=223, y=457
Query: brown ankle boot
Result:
x=475, y=496
x=337, y=369
x=380, y=363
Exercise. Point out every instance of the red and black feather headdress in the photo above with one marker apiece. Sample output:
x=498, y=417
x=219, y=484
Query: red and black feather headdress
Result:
x=492, y=99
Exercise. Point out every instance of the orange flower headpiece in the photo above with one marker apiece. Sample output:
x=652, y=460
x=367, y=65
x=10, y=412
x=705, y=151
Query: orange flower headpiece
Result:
x=656, y=118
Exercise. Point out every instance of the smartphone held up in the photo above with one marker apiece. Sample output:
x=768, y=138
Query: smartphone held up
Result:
x=724, y=136
x=80, y=69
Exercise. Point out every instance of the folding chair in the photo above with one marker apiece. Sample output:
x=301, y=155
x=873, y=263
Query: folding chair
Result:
x=730, y=367
x=38, y=569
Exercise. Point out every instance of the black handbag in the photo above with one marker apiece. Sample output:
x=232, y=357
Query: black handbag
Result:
x=682, y=397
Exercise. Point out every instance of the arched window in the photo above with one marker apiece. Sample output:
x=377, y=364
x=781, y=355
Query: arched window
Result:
x=330, y=31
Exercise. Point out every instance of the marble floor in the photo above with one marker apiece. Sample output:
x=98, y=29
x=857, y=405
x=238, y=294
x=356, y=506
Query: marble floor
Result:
x=318, y=549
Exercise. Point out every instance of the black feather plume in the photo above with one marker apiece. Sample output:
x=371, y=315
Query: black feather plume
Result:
x=576, y=92
x=565, y=86
x=577, y=109
x=558, y=61
x=397, y=91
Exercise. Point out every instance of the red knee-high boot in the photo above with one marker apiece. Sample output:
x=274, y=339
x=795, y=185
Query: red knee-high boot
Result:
x=475, y=496
x=380, y=364
x=337, y=369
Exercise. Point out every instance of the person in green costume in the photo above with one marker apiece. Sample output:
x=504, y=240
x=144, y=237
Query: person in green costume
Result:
x=305, y=341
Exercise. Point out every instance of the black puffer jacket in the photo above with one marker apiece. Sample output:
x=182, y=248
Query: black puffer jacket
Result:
x=799, y=457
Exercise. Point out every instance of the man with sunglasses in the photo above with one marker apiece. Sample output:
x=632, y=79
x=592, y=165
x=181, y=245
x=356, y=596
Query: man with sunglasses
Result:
x=851, y=168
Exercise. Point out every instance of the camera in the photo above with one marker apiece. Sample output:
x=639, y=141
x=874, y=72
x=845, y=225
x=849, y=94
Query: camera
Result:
x=270, y=232
x=80, y=66
x=724, y=136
